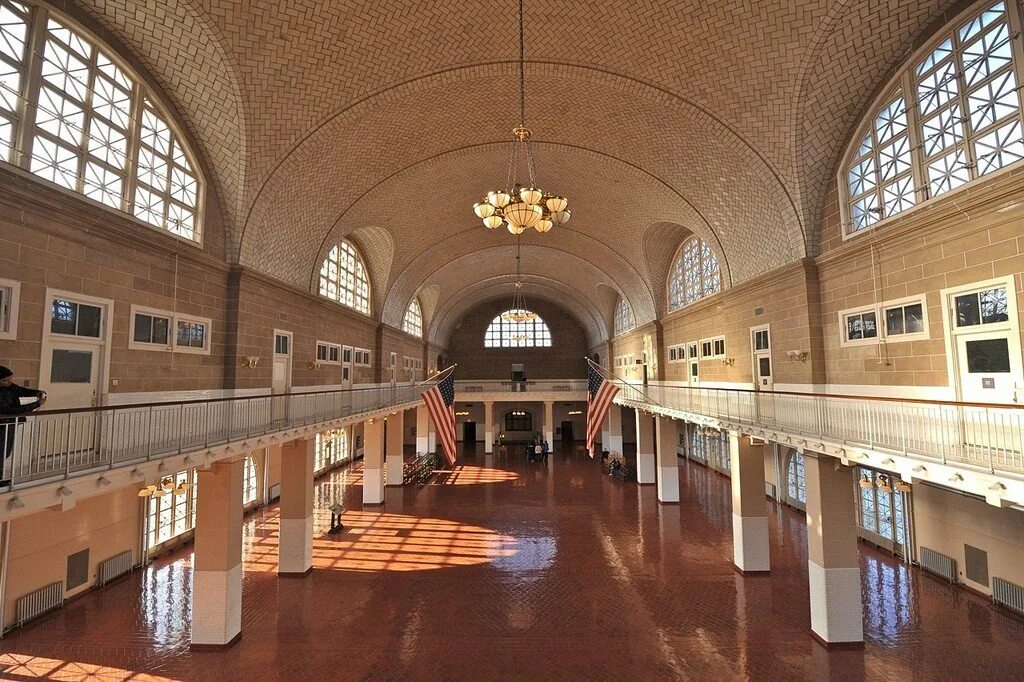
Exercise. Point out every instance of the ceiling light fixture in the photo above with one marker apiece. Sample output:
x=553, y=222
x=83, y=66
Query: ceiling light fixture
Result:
x=517, y=207
x=518, y=312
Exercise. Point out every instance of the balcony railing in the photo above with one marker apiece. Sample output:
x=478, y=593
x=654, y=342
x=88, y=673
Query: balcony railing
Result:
x=982, y=435
x=62, y=443
x=506, y=386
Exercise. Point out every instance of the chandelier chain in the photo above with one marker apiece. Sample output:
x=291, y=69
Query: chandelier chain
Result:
x=522, y=72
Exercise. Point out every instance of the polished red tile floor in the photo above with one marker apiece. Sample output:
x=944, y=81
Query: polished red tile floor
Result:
x=511, y=570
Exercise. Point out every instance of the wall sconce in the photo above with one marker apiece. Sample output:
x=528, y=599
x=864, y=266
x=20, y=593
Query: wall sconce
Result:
x=575, y=412
x=798, y=355
x=250, y=361
x=312, y=365
x=15, y=503
x=729, y=362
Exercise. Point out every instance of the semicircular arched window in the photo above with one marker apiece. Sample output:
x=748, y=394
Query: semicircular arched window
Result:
x=343, y=277
x=412, y=323
x=952, y=115
x=695, y=274
x=75, y=115
x=506, y=331
x=624, y=320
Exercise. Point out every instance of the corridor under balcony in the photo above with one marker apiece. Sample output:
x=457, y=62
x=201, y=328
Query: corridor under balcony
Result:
x=522, y=570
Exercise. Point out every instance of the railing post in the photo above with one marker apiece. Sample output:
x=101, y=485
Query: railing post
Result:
x=149, y=435
x=181, y=425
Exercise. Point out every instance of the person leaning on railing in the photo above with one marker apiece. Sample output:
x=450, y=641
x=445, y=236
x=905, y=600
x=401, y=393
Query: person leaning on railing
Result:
x=11, y=407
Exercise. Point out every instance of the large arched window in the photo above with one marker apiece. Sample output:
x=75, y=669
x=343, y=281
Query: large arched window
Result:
x=413, y=321
x=952, y=115
x=624, y=320
x=73, y=114
x=694, y=275
x=343, y=278
x=506, y=332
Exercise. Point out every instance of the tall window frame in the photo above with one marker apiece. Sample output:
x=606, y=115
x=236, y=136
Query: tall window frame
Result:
x=506, y=333
x=172, y=515
x=343, y=277
x=951, y=116
x=624, y=318
x=76, y=116
x=412, y=323
x=250, y=481
x=695, y=274
x=331, y=450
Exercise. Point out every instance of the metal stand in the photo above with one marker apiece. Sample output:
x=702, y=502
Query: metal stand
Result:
x=336, y=525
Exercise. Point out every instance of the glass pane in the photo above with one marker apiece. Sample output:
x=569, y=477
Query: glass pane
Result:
x=913, y=318
x=968, y=310
x=161, y=329
x=764, y=367
x=990, y=356
x=894, y=321
x=71, y=367
x=89, y=321
x=184, y=334
x=63, y=317
x=143, y=328
x=993, y=306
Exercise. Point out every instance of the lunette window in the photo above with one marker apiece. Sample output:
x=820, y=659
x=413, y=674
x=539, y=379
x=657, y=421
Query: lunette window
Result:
x=343, y=278
x=505, y=333
x=695, y=274
x=412, y=323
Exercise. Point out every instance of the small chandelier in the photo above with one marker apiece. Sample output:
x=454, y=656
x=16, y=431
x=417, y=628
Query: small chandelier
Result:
x=517, y=207
x=518, y=312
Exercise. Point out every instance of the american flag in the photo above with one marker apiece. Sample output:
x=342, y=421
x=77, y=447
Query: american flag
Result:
x=600, y=393
x=439, y=401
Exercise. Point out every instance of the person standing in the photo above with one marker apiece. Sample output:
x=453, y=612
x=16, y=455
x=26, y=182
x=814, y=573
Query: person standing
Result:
x=11, y=409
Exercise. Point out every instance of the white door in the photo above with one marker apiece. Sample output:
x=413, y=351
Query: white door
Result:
x=282, y=378
x=986, y=363
x=694, y=363
x=346, y=367
x=72, y=373
x=760, y=343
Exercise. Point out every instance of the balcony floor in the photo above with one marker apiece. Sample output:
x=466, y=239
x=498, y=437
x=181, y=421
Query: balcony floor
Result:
x=525, y=571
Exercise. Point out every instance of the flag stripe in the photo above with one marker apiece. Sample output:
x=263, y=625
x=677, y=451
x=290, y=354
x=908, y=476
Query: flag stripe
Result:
x=440, y=400
x=600, y=393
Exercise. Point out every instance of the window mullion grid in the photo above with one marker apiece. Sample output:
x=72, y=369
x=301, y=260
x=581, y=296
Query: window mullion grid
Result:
x=87, y=104
x=16, y=117
x=133, y=149
x=35, y=41
x=964, y=142
x=917, y=167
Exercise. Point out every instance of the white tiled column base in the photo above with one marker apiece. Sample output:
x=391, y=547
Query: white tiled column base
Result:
x=216, y=606
x=432, y=442
x=646, y=467
x=668, y=484
x=836, y=614
x=295, y=550
x=750, y=543
x=395, y=467
x=614, y=443
x=373, y=486
x=421, y=444
x=488, y=442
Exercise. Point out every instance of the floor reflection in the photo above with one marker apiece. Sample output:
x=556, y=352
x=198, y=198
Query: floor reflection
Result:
x=474, y=475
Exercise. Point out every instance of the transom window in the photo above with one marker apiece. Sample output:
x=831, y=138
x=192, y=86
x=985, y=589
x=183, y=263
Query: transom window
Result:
x=694, y=275
x=953, y=115
x=413, y=321
x=506, y=333
x=72, y=115
x=889, y=321
x=343, y=278
x=624, y=319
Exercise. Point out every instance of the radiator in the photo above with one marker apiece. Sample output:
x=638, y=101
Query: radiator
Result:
x=939, y=564
x=115, y=566
x=1007, y=594
x=39, y=602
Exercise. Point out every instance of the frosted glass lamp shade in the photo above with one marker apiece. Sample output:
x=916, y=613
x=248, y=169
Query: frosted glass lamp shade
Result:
x=492, y=221
x=499, y=198
x=521, y=214
x=483, y=209
x=543, y=225
x=560, y=217
x=531, y=196
x=516, y=230
x=556, y=204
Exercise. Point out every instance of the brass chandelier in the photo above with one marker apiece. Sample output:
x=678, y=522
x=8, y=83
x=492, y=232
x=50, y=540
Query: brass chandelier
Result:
x=518, y=312
x=517, y=207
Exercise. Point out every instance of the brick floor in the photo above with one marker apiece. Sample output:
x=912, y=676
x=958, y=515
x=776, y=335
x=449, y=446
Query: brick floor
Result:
x=522, y=571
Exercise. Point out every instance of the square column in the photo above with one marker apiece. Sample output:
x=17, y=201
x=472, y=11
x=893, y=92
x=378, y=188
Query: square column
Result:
x=549, y=421
x=645, y=457
x=217, y=566
x=666, y=436
x=431, y=435
x=613, y=422
x=488, y=428
x=749, y=513
x=295, y=546
x=833, y=571
x=373, y=461
x=394, y=455
x=422, y=428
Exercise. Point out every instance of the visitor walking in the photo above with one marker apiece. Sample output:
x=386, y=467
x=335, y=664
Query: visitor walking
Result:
x=11, y=406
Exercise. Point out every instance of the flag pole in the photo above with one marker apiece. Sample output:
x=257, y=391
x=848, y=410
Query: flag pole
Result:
x=433, y=377
x=609, y=377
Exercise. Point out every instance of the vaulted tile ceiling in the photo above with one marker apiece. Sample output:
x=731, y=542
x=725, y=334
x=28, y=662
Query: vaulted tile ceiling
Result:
x=384, y=121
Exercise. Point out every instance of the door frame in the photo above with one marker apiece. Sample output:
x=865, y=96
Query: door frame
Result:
x=692, y=360
x=274, y=355
x=1011, y=327
x=104, y=342
x=755, y=355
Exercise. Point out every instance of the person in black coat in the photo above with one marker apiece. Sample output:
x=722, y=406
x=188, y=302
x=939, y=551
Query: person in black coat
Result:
x=11, y=409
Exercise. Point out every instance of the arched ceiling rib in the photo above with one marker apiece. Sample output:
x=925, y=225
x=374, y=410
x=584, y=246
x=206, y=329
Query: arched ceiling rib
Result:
x=318, y=118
